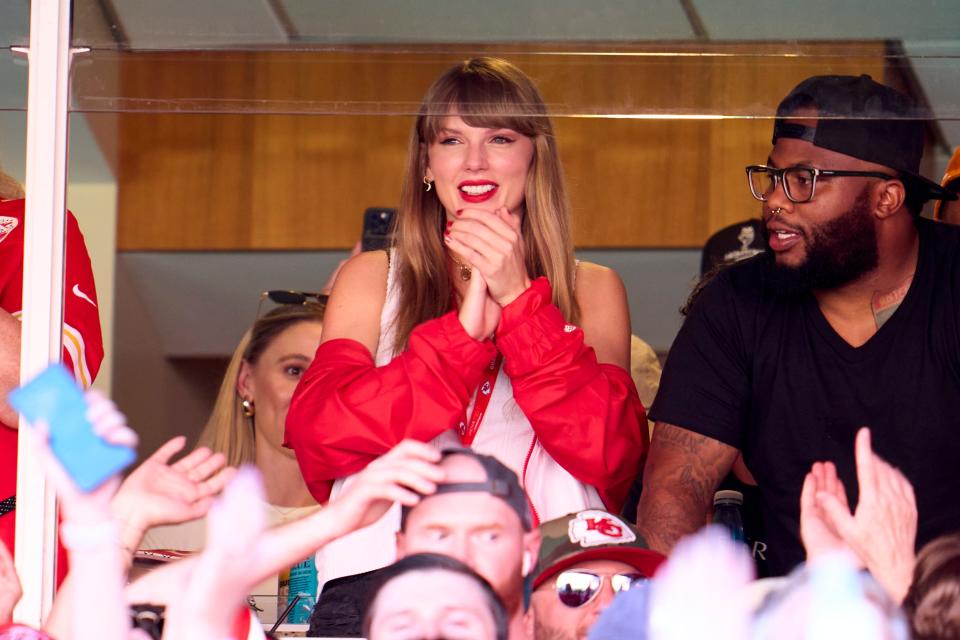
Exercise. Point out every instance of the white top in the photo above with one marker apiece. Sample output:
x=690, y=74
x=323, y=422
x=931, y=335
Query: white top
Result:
x=504, y=433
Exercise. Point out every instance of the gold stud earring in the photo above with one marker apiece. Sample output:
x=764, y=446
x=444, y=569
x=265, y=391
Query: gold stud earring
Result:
x=248, y=409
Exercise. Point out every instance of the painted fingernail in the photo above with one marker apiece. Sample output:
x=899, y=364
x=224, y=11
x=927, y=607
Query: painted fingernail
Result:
x=459, y=212
x=446, y=236
x=449, y=224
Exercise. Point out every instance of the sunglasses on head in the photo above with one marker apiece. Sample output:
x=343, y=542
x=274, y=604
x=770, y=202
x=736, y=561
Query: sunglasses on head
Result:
x=281, y=296
x=576, y=587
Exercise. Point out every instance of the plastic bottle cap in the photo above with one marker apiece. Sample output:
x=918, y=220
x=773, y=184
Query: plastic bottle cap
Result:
x=727, y=497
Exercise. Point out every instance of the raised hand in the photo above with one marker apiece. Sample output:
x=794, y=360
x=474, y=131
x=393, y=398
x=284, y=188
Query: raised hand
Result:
x=816, y=532
x=883, y=529
x=109, y=424
x=92, y=605
x=492, y=243
x=157, y=492
x=219, y=581
x=402, y=475
x=479, y=313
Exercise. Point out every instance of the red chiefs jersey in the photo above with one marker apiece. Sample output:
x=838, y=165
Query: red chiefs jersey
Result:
x=82, y=340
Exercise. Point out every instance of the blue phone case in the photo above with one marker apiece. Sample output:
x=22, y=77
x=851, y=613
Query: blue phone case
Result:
x=55, y=398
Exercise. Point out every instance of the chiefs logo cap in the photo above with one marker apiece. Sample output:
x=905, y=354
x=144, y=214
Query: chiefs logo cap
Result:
x=592, y=534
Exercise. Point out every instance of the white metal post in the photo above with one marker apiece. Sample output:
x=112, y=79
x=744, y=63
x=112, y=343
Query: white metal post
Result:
x=46, y=173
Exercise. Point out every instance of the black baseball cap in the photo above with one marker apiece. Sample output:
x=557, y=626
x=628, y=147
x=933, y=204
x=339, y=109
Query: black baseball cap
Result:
x=501, y=482
x=859, y=117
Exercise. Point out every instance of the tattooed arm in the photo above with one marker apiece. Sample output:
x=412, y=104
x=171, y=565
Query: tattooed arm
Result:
x=682, y=472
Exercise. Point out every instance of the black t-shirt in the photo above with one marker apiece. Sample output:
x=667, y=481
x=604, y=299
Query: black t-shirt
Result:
x=767, y=374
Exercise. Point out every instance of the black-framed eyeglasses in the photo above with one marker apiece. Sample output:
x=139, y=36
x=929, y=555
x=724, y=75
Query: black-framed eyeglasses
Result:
x=799, y=183
x=283, y=296
x=576, y=587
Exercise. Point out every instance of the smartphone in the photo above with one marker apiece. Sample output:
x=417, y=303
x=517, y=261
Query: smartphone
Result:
x=377, y=228
x=54, y=397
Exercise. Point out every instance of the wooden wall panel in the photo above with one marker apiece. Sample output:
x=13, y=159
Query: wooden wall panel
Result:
x=206, y=173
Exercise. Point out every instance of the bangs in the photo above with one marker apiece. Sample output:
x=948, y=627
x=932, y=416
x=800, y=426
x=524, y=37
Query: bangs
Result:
x=483, y=99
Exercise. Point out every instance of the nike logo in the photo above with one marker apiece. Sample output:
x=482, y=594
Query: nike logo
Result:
x=82, y=295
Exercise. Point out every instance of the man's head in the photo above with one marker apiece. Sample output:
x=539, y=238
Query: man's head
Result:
x=845, y=161
x=584, y=558
x=428, y=595
x=479, y=515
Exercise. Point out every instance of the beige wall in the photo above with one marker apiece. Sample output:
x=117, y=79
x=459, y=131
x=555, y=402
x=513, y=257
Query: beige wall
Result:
x=161, y=396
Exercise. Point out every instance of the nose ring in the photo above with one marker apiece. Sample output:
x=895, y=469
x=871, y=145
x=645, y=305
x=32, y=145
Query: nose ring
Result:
x=775, y=212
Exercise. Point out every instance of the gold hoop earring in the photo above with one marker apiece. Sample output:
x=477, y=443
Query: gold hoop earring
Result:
x=427, y=181
x=248, y=409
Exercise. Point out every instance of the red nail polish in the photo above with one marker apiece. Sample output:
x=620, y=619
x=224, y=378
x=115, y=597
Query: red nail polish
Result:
x=459, y=211
x=449, y=223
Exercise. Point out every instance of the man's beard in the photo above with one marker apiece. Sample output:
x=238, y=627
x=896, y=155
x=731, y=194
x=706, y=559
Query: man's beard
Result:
x=511, y=595
x=543, y=632
x=838, y=252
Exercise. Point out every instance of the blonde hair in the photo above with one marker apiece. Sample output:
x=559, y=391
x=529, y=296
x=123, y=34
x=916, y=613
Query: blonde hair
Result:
x=228, y=430
x=10, y=189
x=491, y=93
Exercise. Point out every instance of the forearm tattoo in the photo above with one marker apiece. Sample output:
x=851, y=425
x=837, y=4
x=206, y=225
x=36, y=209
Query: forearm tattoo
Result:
x=682, y=472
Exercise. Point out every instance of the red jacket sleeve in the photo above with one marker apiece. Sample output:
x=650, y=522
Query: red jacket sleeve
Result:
x=346, y=411
x=587, y=415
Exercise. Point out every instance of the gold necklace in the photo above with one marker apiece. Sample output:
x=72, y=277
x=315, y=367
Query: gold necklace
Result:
x=465, y=271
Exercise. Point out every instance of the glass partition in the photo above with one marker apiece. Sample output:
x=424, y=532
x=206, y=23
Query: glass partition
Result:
x=15, y=26
x=220, y=148
x=249, y=136
x=13, y=95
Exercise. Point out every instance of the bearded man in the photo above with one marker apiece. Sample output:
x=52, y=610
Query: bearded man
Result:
x=852, y=318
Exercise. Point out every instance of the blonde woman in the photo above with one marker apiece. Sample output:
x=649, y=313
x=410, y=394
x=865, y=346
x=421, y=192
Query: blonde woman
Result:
x=246, y=424
x=478, y=328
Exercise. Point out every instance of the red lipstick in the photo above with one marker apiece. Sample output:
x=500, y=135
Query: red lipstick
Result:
x=476, y=191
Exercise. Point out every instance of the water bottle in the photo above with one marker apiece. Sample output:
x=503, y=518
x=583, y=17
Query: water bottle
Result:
x=299, y=583
x=726, y=512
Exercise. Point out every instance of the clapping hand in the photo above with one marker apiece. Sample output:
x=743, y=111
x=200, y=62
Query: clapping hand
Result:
x=818, y=535
x=882, y=530
x=479, y=313
x=492, y=243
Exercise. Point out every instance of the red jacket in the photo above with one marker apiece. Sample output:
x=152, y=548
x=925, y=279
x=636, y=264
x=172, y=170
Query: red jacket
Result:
x=346, y=411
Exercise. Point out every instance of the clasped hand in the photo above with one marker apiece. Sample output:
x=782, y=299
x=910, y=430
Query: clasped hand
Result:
x=492, y=244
